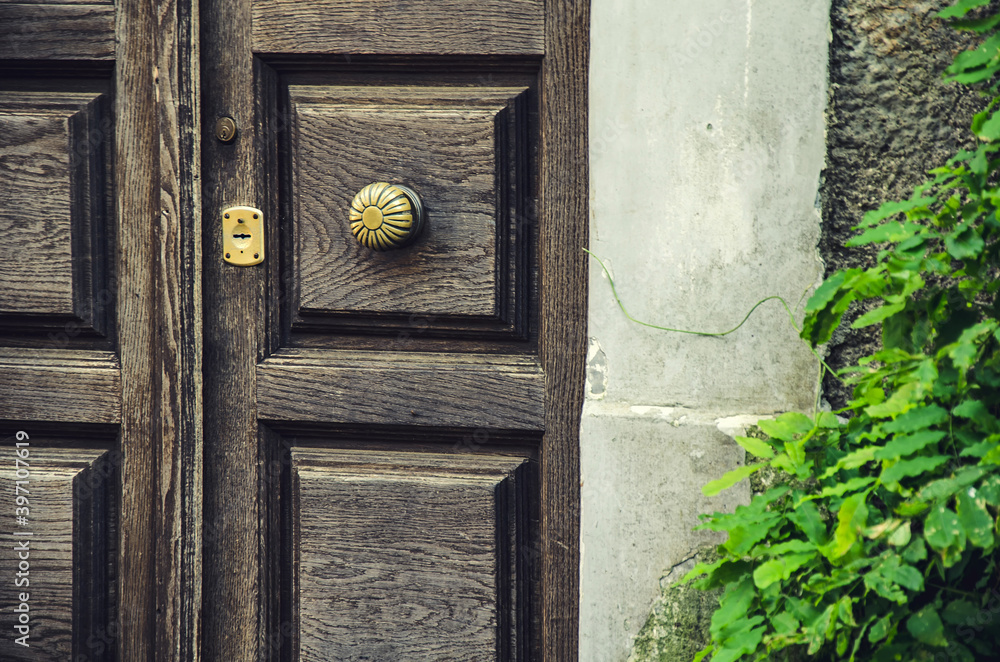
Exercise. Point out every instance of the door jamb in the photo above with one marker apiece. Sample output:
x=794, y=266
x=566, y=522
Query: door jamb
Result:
x=564, y=192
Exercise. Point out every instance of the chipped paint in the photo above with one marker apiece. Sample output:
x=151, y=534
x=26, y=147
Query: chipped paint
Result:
x=597, y=371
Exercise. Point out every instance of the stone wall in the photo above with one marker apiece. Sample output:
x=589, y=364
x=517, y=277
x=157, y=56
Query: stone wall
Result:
x=891, y=117
x=733, y=144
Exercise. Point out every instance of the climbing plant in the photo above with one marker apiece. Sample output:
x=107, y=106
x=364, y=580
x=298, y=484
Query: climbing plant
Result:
x=881, y=541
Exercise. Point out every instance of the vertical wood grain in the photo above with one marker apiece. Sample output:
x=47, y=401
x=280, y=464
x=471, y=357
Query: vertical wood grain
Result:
x=178, y=312
x=95, y=532
x=156, y=505
x=89, y=145
x=275, y=625
x=235, y=627
x=237, y=533
x=137, y=202
x=157, y=202
x=563, y=235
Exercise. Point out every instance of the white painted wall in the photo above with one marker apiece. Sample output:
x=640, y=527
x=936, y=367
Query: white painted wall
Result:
x=707, y=142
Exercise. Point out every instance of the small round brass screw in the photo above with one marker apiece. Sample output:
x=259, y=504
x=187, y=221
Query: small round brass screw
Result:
x=255, y=215
x=225, y=129
x=240, y=220
x=256, y=255
x=225, y=215
x=227, y=256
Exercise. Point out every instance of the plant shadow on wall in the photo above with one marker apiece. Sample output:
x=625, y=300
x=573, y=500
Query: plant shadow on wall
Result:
x=879, y=542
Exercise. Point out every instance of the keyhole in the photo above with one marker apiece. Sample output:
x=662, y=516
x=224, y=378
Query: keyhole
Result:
x=241, y=238
x=225, y=129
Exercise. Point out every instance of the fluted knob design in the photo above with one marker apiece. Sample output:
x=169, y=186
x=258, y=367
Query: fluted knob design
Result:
x=386, y=216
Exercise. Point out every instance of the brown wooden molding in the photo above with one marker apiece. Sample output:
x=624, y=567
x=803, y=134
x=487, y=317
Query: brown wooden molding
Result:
x=564, y=233
x=178, y=310
x=157, y=184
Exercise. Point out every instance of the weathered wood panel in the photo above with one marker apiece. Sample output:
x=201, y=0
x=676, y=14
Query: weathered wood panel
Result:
x=329, y=390
x=60, y=386
x=64, y=542
x=400, y=389
x=57, y=2
x=409, y=556
x=137, y=199
x=485, y=27
x=52, y=206
x=57, y=31
x=178, y=318
x=241, y=618
x=460, y=149
x=564, y=178
x=451, y=270
x=154, y=395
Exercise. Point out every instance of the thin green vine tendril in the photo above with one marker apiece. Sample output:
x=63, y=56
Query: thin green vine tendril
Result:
x=784, y=304
x=719, y=334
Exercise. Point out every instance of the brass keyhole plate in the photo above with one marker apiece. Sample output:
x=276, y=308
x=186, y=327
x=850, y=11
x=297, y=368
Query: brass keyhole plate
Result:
x=243, y=236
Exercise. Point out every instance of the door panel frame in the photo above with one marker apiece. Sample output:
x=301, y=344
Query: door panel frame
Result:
x=158, y=212
x=160, y=170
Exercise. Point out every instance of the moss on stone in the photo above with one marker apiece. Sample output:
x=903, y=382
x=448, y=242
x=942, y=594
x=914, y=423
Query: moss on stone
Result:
x=678, y=624
x=890, y=117
x=677, y=627
x=768, y=476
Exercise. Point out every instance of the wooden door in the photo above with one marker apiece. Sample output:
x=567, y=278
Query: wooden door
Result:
x=334, y=454
x=99, y=332
x=390, y=436
x=59, y=371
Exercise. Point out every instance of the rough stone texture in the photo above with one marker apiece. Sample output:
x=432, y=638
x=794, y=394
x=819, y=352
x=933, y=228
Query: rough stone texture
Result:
x=678, y=624
x=890, y=118
x=677, y=627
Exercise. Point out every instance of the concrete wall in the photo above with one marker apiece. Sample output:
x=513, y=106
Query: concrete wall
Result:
x=707, y=144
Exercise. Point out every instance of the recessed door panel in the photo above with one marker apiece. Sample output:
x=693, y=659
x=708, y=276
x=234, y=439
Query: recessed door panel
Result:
x=52, y=209
x=365, y=497
x=85, y=398
x=463, y=150
x=360, y=372
x=57, y=553
x=406, y=556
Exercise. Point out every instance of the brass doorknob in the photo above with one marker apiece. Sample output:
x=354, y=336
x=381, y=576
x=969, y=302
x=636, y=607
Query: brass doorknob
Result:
x=386, y=216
